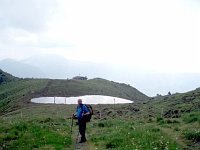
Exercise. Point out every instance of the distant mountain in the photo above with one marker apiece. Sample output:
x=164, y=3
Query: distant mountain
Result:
x=57, y=67
x=20, y=69
x=54, y=67
x=6, y=77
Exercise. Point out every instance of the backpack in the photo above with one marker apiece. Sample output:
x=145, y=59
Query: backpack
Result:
x=87, y=118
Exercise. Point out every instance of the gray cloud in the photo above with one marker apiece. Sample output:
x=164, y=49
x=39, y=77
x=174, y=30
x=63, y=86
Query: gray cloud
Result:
x=30, y=15
x=20, y=22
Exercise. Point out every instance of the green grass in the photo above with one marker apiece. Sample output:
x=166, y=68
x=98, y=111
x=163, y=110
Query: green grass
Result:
x=12, y=92
x=165, y=122
x=5, y=77
x=31, y=134
x=121, y=134
x=191, y=117
x=94, y=86
x=17, y=92
x=116, y=132
x=193, y=135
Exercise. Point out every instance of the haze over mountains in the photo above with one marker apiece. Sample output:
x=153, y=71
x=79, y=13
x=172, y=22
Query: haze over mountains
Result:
x=54, y=66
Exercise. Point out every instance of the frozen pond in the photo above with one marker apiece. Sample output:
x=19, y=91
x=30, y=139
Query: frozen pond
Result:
x=88, y=99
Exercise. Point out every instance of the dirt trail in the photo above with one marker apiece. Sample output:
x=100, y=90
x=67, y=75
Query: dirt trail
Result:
x=83, y=146
x=177, y=138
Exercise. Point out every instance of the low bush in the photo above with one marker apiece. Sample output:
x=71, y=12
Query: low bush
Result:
x=193, y=135
x=160, y=120
x=191, y=118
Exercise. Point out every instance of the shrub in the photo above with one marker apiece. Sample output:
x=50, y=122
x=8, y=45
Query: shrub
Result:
x=21, y=127
x=107, y=123
x=155, y=129
x=114, y=143
x=101, y=124
x=46, y=120
x=110, y=145
x=191, y=118
x=176, y=129
x=10, y=137
x=159, y=119
x=176, y=121
x=150, y=120
x=172, y=121
x=169, y=121
x=192, y=135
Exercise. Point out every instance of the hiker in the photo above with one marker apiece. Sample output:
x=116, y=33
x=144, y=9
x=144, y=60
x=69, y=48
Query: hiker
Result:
x=81, y=112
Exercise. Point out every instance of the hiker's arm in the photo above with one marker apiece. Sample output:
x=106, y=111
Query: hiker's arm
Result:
x=75, y=114
x=85, y=111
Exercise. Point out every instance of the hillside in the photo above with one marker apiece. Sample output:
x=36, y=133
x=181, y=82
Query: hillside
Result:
x=163, y=122
x=141, y=125
x=95, y=86
x=17, y=94
x=173, y=106
x=5, y=77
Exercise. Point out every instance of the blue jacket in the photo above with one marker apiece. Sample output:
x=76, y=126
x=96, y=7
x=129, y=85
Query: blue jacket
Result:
x=80, y=110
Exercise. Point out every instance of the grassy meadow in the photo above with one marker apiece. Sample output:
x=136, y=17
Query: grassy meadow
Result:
x=162, y=123
x=48, y=127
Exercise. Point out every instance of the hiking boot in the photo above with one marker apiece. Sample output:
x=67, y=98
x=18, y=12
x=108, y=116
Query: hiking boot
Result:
x=82, y=141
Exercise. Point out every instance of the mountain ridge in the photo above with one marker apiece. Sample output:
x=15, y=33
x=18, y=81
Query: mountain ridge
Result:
x=18, y=93
x=58, y=67
x=20, y=69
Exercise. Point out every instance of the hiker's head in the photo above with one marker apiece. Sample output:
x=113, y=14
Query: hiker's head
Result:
x=79, y=101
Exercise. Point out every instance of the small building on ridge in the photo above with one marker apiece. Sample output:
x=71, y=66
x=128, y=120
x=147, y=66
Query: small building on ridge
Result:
x=79, y=78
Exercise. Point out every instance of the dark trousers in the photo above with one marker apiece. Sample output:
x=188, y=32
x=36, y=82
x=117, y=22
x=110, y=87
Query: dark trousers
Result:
x=82, y=128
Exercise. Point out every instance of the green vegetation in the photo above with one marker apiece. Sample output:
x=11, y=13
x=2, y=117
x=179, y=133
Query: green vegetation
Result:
x=121, y=134
x=5, y=77
x=191, y=117
x=165, y=122
x=94, y=86
x=126, y=131
x=192, y=135
x=159, y=133
x=47, y=133
x=13, y=93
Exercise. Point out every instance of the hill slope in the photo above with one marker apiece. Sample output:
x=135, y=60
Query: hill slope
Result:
x=18, y=93
x=177, y=104
x=95, y=86
x=165, y=122
x=5, y=77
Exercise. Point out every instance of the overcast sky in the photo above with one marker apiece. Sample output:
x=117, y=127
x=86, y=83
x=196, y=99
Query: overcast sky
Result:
x=156, y=35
